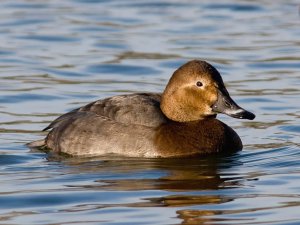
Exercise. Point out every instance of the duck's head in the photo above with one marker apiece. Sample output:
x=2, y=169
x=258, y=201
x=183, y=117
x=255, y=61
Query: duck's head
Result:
x=196, y=91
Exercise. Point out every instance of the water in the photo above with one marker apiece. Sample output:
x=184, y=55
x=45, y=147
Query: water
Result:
x=58, y=55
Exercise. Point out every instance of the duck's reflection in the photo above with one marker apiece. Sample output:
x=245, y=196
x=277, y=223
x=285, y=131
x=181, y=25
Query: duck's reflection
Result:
x=187, y=182
x=129, y=174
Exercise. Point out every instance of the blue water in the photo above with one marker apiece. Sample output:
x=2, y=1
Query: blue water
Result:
x=59, y=55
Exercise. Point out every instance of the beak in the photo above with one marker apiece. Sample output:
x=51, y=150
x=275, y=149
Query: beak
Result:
x=226, y=105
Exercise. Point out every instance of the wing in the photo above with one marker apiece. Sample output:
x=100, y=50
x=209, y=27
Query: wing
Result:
x=139, y=108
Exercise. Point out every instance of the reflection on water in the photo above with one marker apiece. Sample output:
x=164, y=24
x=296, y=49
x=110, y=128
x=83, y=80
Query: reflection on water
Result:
x=58, y=55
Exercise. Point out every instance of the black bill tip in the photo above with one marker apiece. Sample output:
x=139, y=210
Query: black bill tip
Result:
x=242, y=114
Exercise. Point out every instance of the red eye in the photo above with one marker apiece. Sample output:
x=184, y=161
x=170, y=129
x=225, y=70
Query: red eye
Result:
x=199, y=84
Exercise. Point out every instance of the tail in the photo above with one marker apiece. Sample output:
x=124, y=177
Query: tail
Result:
x=36, y=144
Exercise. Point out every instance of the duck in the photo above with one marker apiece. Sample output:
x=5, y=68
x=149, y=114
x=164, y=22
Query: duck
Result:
x=179, y=122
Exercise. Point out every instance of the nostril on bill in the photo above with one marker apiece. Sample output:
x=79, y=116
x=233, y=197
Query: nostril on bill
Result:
x=227, y=104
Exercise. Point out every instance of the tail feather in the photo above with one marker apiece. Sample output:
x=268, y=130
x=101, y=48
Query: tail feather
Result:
x=36, y=144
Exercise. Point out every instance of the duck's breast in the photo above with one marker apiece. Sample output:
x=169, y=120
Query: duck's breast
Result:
x=201, y=137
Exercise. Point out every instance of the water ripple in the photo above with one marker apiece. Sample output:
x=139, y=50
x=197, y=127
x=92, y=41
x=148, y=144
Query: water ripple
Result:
x=122, y=69
x=27, y=97
x=59, y=55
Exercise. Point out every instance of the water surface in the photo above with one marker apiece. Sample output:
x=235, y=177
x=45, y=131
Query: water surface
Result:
x=59, y=55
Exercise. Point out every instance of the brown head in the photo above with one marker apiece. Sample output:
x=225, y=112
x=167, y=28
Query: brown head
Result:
x=196, y=91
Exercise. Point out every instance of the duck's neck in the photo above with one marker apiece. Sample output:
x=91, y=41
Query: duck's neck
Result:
x=173, y=110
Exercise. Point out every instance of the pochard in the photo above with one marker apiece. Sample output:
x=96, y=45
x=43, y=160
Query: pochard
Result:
x=180, y=122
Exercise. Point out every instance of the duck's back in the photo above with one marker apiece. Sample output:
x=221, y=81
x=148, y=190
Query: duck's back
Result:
x=140, y=108
x=110, y=125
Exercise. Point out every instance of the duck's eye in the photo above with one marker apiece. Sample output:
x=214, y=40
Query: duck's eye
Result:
x=199, y=84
